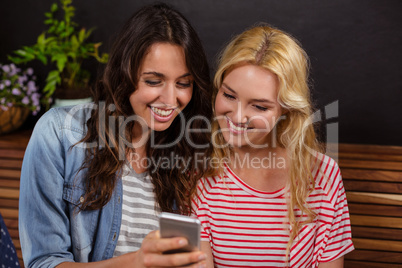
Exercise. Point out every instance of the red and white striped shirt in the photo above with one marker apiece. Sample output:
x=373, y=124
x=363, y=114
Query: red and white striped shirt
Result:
x=249, y=228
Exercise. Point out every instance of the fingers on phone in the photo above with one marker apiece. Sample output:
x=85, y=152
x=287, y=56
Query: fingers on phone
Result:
x=196, y=265
x=191, y=259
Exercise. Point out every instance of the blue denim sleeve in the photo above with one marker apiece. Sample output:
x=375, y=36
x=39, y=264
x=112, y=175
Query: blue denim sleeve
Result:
x=43, y=217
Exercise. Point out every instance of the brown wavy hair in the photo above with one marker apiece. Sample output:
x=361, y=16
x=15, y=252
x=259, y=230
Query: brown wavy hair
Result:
x=173, y=186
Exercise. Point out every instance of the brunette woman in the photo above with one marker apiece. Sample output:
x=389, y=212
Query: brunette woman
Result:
x=95, y=177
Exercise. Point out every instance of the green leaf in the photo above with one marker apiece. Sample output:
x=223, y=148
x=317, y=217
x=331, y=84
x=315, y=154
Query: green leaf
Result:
x=105, y=58
x=74, y=42
x=60, y=61
x=53, y=76
x=41, y=42
x=21, y=53
x=15, y=59
x=61, y=27
x=54, y=7
x=89, y=32
x=31, y=50
x=49, y=88
x=67, y=2
x=42, y=58
x=52, y=80
x=48, y=21
x=69, y=30
x=52, y=29
x=81, y=35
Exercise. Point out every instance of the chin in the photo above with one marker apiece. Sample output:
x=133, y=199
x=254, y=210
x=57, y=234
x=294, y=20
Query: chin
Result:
x=234, y=141
x=161, y=126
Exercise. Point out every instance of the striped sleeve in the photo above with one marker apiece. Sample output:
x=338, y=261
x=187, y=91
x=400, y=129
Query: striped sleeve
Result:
x=338, y=240
x=200, y=207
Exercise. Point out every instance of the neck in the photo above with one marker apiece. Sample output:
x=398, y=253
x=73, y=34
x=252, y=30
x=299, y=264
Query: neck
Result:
x=263, y=169
x=247, y=151
x=137, y=156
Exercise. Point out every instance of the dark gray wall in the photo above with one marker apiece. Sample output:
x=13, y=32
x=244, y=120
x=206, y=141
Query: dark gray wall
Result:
x=355, y=47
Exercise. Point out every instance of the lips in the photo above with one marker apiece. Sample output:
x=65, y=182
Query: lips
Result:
x=235, y=128
x=162, y=115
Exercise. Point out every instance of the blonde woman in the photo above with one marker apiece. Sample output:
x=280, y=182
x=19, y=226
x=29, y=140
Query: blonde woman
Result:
x=274, y=200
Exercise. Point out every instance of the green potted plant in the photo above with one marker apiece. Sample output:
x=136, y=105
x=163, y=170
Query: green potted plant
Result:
x=64, y=47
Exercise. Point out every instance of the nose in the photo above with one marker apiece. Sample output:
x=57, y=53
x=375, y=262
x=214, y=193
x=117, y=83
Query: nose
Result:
x=168, y=95
x=239, y=114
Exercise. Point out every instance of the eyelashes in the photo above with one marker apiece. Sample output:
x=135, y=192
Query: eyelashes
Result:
x=185, y=85
x=228, y=96
x=154, y=83
x=231, y=97
x=261, y=108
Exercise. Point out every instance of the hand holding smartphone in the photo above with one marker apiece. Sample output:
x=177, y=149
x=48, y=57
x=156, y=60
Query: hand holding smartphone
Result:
x=174, y=225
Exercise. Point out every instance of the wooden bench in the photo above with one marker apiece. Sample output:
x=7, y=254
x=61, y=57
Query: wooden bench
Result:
x=372, y=177
x=12, y=148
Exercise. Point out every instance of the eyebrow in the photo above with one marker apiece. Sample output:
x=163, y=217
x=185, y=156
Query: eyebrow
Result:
x=162, y=75
x=255, y=100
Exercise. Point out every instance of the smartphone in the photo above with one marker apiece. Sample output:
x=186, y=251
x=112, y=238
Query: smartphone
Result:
x=174, y=225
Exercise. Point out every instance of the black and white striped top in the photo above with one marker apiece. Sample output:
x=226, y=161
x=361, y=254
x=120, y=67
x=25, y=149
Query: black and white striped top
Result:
x=139, y=213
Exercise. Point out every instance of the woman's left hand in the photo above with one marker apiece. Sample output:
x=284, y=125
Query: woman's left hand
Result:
x=151, y=253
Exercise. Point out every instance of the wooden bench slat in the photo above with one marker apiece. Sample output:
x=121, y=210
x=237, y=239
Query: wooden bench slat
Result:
x=9, y=203
x=376, y=233
x=11, y=153
x=16, y=243
x=11, y=223
x=20, y=259
x=16, y=141
x=9, y=213
x=4, y=183
x=372, y=175
x=10, y=163
x=374, y=198
x=375, y=187
x=375, y=210
x=366, y=264
x=14, y=233
x=10, y=173
x=378, y=165
x=374, y=256
x=368, y=149
x=373, y=244
x=376, y=221
x=367, y=156
x=9, y=193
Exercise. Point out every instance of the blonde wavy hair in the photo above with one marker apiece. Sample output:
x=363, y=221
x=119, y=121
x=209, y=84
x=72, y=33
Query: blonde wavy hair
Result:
x=281, y=54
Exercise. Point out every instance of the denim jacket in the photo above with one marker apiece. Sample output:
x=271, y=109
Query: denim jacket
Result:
x=51, y=229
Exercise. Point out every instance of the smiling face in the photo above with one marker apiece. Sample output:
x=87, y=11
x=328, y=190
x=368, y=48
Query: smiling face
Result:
x=246, y=105
x=164, y=88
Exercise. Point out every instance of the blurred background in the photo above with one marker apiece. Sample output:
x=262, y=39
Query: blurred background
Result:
x=355, y=49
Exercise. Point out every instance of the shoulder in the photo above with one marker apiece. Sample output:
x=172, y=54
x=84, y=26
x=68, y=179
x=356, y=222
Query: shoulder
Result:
x=206, y=184
x=58, y=120
x=327, y=175
x=72, y=117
